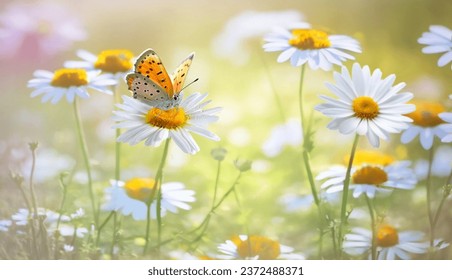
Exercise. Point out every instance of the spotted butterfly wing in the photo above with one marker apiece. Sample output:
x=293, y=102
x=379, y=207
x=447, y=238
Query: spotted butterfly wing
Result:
x=144, y=89
x=150, y=65
x=179, y=75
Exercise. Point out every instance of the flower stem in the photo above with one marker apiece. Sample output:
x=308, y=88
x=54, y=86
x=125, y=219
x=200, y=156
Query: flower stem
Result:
x=428, y=184
x=84, y=147
x=157, y=186
x=446, y=193
x=307, y=147
x=60, y=211
x=217, y=178
x=117, y=99
x=373, y=227
x=345, y=195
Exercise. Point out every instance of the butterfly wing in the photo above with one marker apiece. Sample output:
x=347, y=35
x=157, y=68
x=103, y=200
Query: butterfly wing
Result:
x=144, y=89
x=149, y=65
x=180, y=73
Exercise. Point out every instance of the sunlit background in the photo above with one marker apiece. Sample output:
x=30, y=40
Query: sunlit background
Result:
x=239, y=76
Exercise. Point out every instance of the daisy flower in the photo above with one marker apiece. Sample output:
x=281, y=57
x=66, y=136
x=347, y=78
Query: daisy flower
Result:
x=438, y=40
x=391, y=244
x=303, y=44
x=153, y=125
x=32, y=31
x=256, y=248
x=370, y=175
x=116, y=61
x=447, y=128
x=367, y=104
x=441, y=164
x=68, y=82
x=130, y=197
x=426, y=123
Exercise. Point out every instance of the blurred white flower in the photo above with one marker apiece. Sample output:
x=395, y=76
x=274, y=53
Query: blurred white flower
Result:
x=256, y=248
x=447, y=128
x=438, y=40
x=287, y=134
x=5, y=224
x=36, y=30
x=231, y=42
x=441, y=165
x=130, y=197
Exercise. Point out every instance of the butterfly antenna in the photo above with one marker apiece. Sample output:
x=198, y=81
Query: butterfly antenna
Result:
x=190, y=84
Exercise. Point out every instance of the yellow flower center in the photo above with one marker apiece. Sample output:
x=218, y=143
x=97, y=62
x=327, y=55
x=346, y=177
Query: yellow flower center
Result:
x=264, y=248
x=371, y=175
x=114, y=61
x=140, y=188
x=67, y=77
x=309, y=39
x=169, y=119
x=387, y=236
x=370, y=157
x=426, y=113
x=365, y=107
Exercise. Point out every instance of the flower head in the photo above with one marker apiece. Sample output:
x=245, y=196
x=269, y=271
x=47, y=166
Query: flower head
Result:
x=29, y=30
x=256, y=247
x=367, y=104
x=68, y=82
x=114, y=61
x=438, y=40
x=370, y=175
x=391, y=244
x=426, y=123
x=130, y=197
x=288, y=134
x=5, y=224
x=303, y=44
x=153, y=125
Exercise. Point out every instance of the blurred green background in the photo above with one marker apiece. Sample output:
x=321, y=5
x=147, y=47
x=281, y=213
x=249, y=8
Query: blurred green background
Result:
x=387, y=30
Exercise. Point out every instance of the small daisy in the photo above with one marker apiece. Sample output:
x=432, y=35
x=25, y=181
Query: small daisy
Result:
x=256, y=248
x=153, y=125
x=130, y=197
x=438, y=40
x=117, y=61
x=370, y=176
x=302, y=44
x=447, y=128
x=288, y=134
x=68, y=82
x=367, y=105
x=426, y=123
x=441, y=164
x=391, y=244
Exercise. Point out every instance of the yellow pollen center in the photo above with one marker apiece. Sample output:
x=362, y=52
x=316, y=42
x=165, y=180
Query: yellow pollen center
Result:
x=264, y=248
x=365, y=107
x=67, y=77
x=387, y=236
x=169, y=119
x=140, y=188
x=370, y=157
x=426, y=113
x=370, y=175
x=114, y=61
x=309, y=39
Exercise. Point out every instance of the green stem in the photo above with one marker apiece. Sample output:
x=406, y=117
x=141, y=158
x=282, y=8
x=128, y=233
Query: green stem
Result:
x=441, y=204
x=157, y=186
x=216, y=183
x=34, y=216
x=429, y=195
x=345, y=195
x=101, y=227
x=373, y=226
x=60, y=211
x=148, y=227
x=84, y=147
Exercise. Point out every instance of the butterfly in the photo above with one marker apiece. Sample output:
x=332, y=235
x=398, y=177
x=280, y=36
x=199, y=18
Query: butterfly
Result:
x=151, y=84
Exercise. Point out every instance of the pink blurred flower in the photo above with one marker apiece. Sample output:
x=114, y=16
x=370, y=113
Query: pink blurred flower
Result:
x=30, y=31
